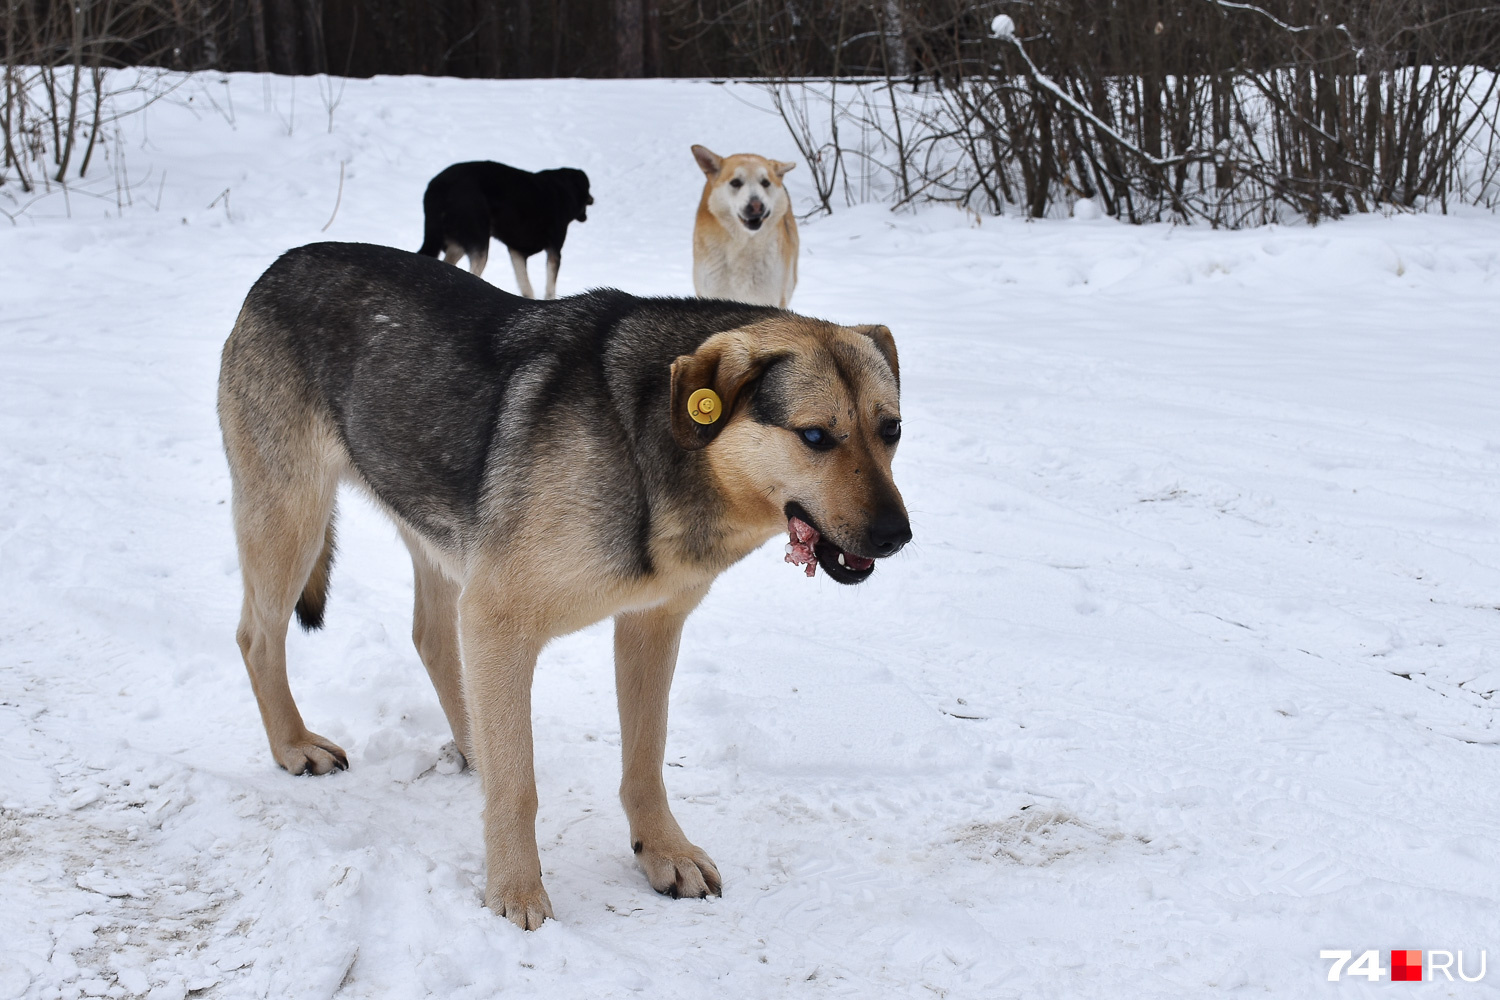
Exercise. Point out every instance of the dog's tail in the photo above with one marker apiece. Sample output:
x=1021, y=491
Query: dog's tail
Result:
x=432, y=225
x=315, y=592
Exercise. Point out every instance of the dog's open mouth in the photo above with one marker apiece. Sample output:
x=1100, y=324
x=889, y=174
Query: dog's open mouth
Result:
x=808, y=548
x=752, y=222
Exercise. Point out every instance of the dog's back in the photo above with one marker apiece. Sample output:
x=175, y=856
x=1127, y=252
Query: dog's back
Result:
x=305, y=337
x=411, y=368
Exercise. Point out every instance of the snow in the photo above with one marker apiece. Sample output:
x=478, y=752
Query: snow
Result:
x=1187, y=675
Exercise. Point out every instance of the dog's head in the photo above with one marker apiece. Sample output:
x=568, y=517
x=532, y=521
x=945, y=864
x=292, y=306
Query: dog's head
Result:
x=811, y=416
x=744, y=190
x=577, y=184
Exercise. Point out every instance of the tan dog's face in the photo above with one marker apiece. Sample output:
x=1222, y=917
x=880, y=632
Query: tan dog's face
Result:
x=812, y=421
x=744, y=190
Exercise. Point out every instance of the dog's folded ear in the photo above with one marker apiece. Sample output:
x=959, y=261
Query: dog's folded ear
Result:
x=885, y=344
x=726, y=363
x=783, y=167
x=708, y=161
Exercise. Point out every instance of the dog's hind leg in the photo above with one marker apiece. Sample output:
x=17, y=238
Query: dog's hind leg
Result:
x=518, y=261
x=434, y=629
x=452, y=254
x=478, y=257
x=554, y=261
x=645, y=658
x=282, y=525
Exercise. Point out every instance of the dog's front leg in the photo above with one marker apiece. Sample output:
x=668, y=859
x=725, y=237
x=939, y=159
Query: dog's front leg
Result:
x=645, y=657
x=499, y=658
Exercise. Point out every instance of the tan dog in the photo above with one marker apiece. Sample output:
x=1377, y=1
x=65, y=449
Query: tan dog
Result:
x=549, y=464
x=745, y=238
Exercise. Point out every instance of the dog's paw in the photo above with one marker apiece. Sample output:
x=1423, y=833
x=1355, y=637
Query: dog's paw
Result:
x=312, y=754
x=451, y=759
x=684, y=872
x=526, y=906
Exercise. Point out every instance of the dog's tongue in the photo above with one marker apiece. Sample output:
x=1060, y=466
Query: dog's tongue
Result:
x=799, y=551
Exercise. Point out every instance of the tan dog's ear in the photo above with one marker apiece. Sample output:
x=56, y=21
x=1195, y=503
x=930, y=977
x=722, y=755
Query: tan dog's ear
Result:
x=783, y=167
x=708, y=161
x=885, y=344
x=725, y=363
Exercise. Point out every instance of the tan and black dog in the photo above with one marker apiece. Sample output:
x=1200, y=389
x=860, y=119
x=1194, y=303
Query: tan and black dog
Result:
x=549, y=464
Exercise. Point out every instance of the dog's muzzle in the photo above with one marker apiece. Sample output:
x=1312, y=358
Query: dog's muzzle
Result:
x=807, y=547
x=755, y=214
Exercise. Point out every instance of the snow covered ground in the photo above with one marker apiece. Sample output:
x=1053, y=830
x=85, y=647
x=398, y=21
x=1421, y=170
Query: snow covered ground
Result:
x=1188, y=674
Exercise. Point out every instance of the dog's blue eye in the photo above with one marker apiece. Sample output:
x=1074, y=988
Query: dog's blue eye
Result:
x=816, y=437
x=891, y=431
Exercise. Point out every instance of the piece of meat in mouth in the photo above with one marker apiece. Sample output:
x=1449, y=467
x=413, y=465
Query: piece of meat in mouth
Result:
x=802, y=548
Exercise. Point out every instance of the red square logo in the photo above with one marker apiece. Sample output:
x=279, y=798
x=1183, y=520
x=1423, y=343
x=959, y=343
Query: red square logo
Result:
x=1406, y=966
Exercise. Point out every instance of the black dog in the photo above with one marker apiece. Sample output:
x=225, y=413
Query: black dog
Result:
x=470, y=202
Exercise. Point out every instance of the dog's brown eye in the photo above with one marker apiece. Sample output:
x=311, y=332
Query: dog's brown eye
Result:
x=766, y=185
x=816, y=438
x=736, y=183
x=891, y=431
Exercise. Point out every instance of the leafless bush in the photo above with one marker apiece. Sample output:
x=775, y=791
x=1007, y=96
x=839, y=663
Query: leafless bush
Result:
x=1225, y=112
x=60, y=98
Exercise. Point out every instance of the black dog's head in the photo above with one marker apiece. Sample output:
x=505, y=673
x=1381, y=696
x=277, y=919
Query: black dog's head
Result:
x=576, y=182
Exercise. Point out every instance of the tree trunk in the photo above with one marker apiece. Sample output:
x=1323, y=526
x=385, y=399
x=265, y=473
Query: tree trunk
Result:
x=898, y=61
x=629, y=38
x=62, y=167
x=283, y=35
x=315, y=52
x=651, y=45
x=258, y=35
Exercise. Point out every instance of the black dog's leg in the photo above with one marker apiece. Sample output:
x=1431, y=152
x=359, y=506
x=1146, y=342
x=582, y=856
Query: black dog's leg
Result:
x=478, y=257
x=518, y=261
x=554, y=261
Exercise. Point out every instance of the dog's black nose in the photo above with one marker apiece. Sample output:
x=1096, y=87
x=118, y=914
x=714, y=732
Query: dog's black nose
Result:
x=889, y=532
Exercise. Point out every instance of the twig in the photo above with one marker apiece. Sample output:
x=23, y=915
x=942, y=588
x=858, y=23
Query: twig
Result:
x=337, y=201
x=1263, y=12
x=223, y=196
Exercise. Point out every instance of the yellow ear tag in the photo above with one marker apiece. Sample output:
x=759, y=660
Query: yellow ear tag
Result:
x=705, y=406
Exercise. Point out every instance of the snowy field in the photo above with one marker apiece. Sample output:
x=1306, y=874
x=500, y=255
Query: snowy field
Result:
x=1188, y=674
